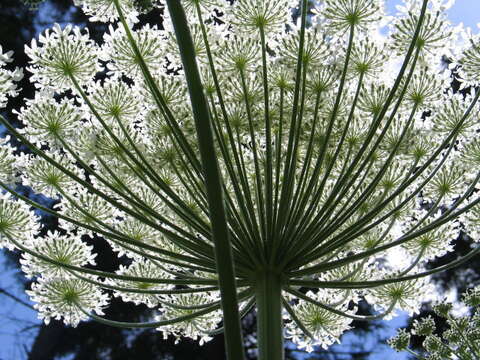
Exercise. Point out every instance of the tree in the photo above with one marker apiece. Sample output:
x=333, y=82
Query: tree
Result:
x=294, y=189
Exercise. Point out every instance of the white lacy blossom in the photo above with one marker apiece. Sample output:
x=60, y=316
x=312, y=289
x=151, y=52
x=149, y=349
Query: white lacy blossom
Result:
x=196, y=328
x=334, y=174
x=434, y=243
x=251, y=15
x=461, y=336
x=44, y=177
x=140, y=268
x=342, y=14
x=86, y=208
x=469, y=61
x=8, y=78
x=9, y=163
x=17, y=222
x=403, y=294
x=66, y=249
x=49, y=120
x=122, y=58
x=434, y=35
x=115, y=101
x=471, y=219
x=61, y=57
x=325, y=326
x=59, y=298
x=105, y=10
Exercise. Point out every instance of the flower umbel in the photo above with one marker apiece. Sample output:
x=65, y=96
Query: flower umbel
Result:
x=244, y=155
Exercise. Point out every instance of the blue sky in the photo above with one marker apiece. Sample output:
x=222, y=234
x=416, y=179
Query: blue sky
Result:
x=466, y=11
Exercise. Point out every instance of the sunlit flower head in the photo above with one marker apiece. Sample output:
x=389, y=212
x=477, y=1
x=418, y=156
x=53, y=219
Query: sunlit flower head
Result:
x=329, y=154
x=60, y=298
x=67, y=249
x=17, y=222
x=62, y=57
x=8, y=78
x=105, y=10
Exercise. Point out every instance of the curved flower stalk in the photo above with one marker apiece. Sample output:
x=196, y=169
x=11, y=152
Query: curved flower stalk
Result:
x=244, y=158
x=459, y=341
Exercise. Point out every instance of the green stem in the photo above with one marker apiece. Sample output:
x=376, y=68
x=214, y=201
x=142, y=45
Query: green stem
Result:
x=213, y=183
x=268, y=294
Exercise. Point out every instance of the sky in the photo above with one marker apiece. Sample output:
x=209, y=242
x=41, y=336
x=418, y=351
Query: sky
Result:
x=466, y=11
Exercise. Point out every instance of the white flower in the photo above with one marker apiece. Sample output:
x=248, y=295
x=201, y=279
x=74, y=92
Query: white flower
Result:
x=424, y=88
x=48, y=179
x=67, y=249
x=328, y=159
x=449, y=116
x=47, y=120
x=206, y=6
x=86, y=208
x=243, y=54
x=121, y=58
x=316, y=48
x=269, y=15
x=366, y=58
x=403, y=293
x=343, y=14
x=105, y=10
x=17, y=221
x=447, y=183
x=195, y=328
x=64, y=298
x=114, y=100
x=434, y=243
x=470, y=156
x=140, y=268
x=401, y=341
x=9, y=164
x=471, y=220
x=137, y=231
x=8, y=78
x=434, y=34
x=325, y=326
x=470, y=69
x=64, y=56
x=174, y=93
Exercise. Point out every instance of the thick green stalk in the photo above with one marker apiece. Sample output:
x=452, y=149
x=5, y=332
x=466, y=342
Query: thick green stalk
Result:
x=213, y=183
x=268, y=294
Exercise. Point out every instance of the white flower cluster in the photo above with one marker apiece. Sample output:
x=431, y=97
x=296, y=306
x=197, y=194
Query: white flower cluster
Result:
x=325, y=327
x=8, y=78
x=9, y=163
x=141, y=268
x=64, y=298
x=65, y=249
x=333, y=171
x=17, y=221
x=196, y=328
x=61, y=57
x=459, y=341
x=105, y=11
